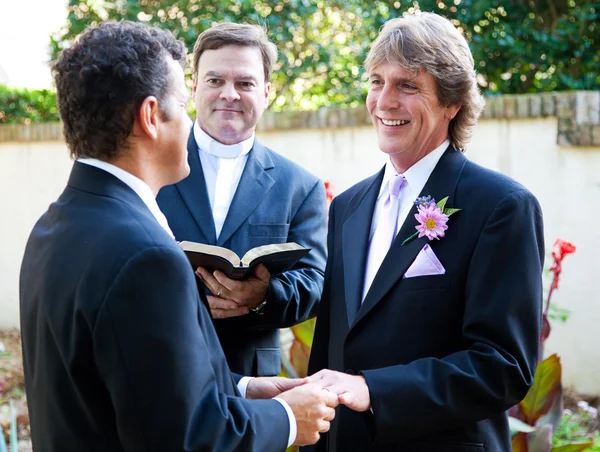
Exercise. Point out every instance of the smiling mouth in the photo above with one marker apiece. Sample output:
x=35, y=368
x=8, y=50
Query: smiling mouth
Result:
x=397, y=122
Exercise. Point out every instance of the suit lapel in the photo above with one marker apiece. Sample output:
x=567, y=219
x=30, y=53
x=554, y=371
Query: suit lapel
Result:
x=441, y=183
x=356, y=230
x=254, y=184
x=195, y=195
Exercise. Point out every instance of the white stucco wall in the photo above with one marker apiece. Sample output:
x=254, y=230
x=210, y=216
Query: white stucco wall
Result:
x=565, y=180
x=32, y=175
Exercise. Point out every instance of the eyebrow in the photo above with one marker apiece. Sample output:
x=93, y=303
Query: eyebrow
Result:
x=238, y=77
x=247, y=77
x=412, y=81
x=212, y=74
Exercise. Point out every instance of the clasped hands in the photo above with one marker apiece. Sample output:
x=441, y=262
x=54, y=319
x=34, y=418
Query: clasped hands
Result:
x=313, y=399
x=232, y=298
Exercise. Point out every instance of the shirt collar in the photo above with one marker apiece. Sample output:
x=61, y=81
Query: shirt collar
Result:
x=140, y=187
x=417, y=175
x=208, y=144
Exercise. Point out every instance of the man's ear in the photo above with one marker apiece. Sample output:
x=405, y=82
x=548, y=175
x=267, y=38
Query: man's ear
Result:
x=147, y=118
x=194, y=85
x=267, y=92
x=452, y=111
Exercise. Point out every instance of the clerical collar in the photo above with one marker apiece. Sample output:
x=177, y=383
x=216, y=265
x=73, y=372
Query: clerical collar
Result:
x=208, y=144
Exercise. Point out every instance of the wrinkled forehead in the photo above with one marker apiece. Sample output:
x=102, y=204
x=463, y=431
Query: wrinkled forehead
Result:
x=392, y=55
x=394, y=66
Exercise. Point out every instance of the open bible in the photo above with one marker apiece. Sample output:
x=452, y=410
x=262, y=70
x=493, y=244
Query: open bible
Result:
x=277, y=258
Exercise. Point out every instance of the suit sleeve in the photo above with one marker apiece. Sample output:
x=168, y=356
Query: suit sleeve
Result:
x=294, y=295
x=319, y=353
x=169, y=390
x=500, y=331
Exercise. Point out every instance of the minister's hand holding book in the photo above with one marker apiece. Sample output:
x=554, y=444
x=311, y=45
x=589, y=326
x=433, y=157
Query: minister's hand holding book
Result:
x=278, y=258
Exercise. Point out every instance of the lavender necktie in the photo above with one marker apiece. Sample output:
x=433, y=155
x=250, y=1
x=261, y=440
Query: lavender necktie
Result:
x=384, y=233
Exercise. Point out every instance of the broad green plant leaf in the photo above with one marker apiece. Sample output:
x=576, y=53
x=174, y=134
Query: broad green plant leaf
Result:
x=546, y=387
x=574, y=447
x=287, y=370
x=515, y=425
x=304, y=332
x=555, y=412
x=519, y=442
x=299, y=354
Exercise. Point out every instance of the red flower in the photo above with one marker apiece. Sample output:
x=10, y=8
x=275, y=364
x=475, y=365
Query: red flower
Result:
x=562, y=248
x=329, y=191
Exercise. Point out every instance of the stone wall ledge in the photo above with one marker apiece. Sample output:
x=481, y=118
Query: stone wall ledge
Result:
x=578, y=114
x=49, y=131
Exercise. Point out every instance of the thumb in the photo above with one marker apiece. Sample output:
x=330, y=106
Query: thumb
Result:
x=285, y=384
x=348, y=399
x=262, y=273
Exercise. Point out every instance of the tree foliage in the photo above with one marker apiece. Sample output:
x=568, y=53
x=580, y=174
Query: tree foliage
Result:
x=519, y=46
x=25, y=106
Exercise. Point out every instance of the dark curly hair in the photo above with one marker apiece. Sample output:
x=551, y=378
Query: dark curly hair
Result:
x=103, y=78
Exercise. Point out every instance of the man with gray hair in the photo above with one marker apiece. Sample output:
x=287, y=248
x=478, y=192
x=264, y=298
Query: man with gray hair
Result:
x=240, y=195
x=431, y=326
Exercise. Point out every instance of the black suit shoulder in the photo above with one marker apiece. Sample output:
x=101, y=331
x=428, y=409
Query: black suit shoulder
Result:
x=111, y=220
x=489, y=189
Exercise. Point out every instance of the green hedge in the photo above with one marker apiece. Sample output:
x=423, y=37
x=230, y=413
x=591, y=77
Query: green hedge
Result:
x=25, y=106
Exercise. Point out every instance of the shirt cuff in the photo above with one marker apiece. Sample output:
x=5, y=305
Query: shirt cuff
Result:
x=243, y=385
x=291, y=419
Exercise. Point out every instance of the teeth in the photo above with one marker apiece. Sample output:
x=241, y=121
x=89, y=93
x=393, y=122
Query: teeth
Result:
x=393, y=123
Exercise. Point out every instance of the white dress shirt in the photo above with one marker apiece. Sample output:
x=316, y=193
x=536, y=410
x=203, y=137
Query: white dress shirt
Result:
x=416, y=177
x=145, y=193
x=223, y=166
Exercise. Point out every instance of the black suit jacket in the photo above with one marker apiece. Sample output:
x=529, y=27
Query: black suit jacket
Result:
x=119, y=350
x=276, y=201
x=444, y=356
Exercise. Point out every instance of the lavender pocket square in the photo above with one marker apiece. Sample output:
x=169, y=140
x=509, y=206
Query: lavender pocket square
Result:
x=426, y=263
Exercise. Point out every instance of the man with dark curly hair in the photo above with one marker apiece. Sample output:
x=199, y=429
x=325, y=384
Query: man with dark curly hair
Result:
x=119, y=349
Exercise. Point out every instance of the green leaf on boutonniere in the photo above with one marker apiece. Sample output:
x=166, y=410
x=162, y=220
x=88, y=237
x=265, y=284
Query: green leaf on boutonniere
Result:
x=442, y=203
x=450, y=210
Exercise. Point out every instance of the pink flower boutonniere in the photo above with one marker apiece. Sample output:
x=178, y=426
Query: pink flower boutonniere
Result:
x=432, y=218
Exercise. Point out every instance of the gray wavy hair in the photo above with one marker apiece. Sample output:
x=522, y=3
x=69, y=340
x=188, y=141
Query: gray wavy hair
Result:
x=429, y=42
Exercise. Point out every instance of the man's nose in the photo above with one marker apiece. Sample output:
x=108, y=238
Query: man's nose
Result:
x=388, y=98
x=229, y=93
